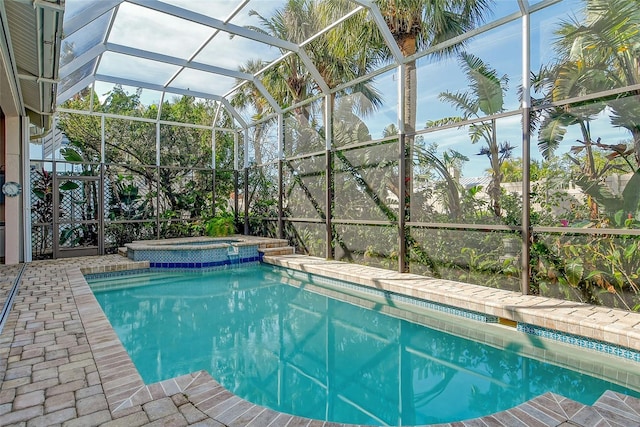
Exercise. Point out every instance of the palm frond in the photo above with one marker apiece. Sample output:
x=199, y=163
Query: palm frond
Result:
x=552, y=131
x=488, y=87
x=443, y=122
x=481, y=131
x=461, y=101
x=625, y=113
x=428, y=23
x=600, y=192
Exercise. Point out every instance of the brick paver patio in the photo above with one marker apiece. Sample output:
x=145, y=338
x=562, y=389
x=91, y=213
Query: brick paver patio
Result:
x=61, y=364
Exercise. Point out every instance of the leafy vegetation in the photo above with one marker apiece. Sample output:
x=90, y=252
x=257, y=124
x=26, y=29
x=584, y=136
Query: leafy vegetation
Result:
x=220, y=226
x=583, y=180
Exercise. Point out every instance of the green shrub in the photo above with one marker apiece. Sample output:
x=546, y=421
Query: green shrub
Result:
x=220, y=226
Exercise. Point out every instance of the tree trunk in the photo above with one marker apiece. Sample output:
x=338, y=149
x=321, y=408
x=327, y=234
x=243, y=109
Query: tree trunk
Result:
x=494, y=189
x=257, y=143
x=410, y=105
x=408, y=45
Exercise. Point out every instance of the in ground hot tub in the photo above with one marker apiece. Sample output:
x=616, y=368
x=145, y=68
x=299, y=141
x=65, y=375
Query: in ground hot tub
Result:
x=194, y=252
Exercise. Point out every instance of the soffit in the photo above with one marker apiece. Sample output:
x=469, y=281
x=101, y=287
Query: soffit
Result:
x=33, y=42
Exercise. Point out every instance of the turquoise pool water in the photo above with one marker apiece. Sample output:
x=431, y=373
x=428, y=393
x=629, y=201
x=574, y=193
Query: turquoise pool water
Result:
x=294, y=349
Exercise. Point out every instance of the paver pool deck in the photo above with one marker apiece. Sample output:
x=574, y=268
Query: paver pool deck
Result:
x=61, y=363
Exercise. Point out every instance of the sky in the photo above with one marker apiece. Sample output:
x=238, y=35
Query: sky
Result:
x=146, y=29
x=499, y=48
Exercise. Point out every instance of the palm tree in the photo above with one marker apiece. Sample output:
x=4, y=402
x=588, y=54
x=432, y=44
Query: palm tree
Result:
x=597, y=54
x=350, y=51
x=449, y=184
x=295, y=22
x=341, y=55
x=601, y=53
x=249, y=96
x=485, y=97
x=417, y=24
x=560, y=81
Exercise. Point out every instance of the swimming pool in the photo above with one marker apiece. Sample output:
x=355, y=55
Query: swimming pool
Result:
x=313, y=350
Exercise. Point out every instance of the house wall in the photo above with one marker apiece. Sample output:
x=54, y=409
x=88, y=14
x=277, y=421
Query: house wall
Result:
x=12, y=205
x=2, y=180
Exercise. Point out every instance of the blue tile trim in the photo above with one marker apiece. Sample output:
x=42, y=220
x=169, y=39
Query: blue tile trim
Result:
x=205, y=269
x=467, y=314
x=184, y=265
x=577, y=340
x=108, y=274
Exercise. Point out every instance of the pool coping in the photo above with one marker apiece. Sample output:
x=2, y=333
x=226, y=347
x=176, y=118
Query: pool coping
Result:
x=183, y=243
x=125, y=390
x=602, y=324
x=127, y=396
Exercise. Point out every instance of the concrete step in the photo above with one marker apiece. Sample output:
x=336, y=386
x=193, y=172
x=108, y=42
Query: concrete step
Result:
x=277, y=251
x=273, y=243
x=122, y=251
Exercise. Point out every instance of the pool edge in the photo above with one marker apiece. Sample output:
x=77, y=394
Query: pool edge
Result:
x=572, y=318
x=126, y=392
